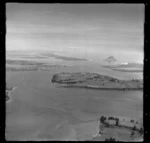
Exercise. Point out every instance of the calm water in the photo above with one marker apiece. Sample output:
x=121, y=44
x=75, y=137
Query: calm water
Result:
x=38, y=110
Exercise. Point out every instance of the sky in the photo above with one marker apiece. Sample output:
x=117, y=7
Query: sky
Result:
x=93, y=31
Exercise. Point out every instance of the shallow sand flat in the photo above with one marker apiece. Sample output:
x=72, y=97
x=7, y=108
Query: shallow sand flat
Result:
x=48, y=125
x=85, y=116
x=35, y=121
x=62, y=131
x=86, y=131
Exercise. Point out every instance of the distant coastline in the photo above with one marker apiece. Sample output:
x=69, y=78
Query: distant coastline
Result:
x=128, y=67
x=95, y=87
x=128, y=70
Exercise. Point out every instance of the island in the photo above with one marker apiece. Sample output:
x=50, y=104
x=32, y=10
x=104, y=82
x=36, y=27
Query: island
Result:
x=95, y=81
x=110, y=59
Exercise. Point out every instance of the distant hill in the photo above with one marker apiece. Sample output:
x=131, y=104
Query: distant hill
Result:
x=110, y=59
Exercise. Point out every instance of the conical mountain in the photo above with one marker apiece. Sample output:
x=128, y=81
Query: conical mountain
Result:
x=110, y=59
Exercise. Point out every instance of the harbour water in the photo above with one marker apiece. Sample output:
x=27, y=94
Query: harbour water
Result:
x=40, y=111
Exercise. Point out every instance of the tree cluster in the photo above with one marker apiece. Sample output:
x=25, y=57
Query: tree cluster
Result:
x=54, y=78
x=102, y=119
x=134, y=128
x=116, y=119
x=141, y=131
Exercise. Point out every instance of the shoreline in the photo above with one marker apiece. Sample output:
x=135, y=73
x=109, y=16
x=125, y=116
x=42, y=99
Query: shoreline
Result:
x=95, y=88
x=8, y=94
x=124, y=70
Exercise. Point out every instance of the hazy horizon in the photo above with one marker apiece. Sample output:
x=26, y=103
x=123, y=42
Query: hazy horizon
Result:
x=93, y=31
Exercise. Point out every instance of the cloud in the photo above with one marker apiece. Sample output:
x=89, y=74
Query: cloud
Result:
x=94, y=29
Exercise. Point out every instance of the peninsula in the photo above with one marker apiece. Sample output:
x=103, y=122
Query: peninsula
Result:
x=119, y=129
x=95, y=81
x=8, y=92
